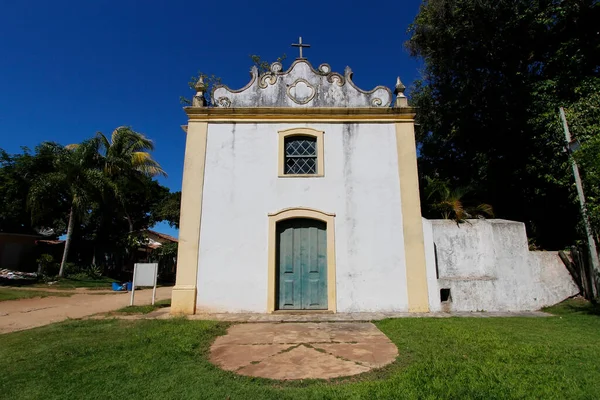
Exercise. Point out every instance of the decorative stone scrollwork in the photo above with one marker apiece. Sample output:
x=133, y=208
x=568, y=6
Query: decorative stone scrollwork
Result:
x=267, y=79
x=276, y=67
x=335, y=78
x=301, y=86
x=325, y=68
x=301, y=91
x=224, y=102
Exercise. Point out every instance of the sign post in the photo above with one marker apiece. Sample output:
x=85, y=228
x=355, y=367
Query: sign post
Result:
x=144, y=274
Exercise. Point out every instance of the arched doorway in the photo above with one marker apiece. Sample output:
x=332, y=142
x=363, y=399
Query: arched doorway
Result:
x=301, y=265
x=310, y=289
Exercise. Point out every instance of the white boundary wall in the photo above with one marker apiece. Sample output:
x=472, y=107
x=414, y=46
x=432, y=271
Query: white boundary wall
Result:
x=487, y=266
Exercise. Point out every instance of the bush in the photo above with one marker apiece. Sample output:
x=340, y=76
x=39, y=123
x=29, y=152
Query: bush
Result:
x=80, y=272
x=47, y=267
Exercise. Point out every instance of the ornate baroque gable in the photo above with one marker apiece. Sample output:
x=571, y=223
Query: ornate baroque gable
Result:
x=301, y=86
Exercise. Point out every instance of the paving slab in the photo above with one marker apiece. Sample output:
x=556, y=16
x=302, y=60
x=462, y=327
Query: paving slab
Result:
x=303, y=362
x=309, y=332
x=373, y=355
x=234, y=356
x=302, y=350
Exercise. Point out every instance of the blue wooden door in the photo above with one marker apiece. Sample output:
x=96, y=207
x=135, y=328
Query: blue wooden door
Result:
x=302, y=265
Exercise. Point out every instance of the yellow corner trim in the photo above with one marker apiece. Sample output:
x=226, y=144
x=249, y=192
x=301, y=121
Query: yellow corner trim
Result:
x=184, y=293
x=412, y=224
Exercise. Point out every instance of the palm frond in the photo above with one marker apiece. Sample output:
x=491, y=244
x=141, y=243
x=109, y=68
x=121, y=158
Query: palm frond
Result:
x=485, y=209
x=129, y=151
x=138, y=142
x=143, y=162
x=104, y=142
x=140, y=158
x=117, y=134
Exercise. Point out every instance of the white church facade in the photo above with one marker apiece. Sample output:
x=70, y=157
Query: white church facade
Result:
x=300, y=193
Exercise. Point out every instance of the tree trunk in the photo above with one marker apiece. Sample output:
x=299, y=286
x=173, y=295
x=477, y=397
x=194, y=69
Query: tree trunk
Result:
x=130, y=222
x=61, y=272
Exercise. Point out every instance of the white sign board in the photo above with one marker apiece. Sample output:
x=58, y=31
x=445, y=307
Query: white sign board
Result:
x=144, y=274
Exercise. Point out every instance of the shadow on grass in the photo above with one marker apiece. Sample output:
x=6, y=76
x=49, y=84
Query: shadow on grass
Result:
x=17, y=282
x=575, y=306
x=146, y=309
x=101, y=283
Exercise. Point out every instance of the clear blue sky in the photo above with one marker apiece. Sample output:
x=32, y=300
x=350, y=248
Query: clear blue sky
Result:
x=71, y=68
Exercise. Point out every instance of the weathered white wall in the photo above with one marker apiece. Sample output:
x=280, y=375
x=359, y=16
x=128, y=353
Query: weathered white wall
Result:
x=432, y=284
x=361, y=186
x=487, y=266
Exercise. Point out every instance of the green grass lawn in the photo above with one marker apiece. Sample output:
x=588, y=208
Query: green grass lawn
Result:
x=15, y=294
x=454, y=358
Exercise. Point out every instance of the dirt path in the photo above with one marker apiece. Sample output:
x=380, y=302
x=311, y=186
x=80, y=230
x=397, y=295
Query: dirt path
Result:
x=16, y=315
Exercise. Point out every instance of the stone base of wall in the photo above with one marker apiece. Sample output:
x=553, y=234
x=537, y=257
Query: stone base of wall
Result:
x=183, y=300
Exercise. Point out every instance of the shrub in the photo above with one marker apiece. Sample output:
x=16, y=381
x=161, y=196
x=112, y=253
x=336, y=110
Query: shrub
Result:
x=47, y=266
x=79, y=272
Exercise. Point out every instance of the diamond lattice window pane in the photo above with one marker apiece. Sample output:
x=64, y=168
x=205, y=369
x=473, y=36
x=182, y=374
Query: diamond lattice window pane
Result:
x=301, y=165
x=301, y=155
x=301, y=147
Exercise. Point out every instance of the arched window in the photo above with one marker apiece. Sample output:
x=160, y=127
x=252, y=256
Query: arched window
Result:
x=300, y=155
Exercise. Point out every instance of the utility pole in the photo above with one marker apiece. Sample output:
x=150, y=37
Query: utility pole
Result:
x=573, y=145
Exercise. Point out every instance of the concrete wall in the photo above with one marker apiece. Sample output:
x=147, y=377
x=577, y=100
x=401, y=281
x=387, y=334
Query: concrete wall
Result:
x=487, y=266
x=17, y=251
x=361, y=186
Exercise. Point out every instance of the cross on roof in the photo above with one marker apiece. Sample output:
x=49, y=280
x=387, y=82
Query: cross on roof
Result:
x=300, y=45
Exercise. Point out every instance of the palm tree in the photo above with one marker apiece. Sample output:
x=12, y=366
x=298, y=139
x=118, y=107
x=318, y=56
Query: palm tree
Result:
x=96, y=169
x=126, y=159
x=451, y=203
x=128, y=151
x=77, y=176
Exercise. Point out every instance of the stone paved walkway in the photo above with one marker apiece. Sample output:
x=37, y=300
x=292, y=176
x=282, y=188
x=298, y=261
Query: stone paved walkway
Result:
x=165, y=313
x=353, y=317
x=302, y=350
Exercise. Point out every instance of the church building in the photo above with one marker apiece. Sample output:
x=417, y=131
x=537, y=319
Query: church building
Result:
x=300, y=192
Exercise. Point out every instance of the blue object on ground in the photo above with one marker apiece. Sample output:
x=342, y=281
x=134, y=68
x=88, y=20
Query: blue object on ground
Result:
x=128, y=286
x=117, y=287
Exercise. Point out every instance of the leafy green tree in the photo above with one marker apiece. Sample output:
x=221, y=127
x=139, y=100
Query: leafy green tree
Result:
x=494, y=75
x=113, y=229
x=102, y=190
x=584, y=122
x=17, y=171
x=77, y=177
x=168, y=209
x=127, y=162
